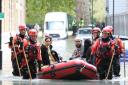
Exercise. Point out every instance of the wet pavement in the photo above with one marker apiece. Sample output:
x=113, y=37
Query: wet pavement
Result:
x=64, y=48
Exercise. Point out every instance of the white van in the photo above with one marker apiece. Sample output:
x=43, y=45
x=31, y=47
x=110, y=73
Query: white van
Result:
x=56, y=25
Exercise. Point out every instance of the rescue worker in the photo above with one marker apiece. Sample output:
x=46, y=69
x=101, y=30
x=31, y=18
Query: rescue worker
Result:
x=49, y=56
x=17, y=41
x=81, y=22
x=74, y=26
x=103, y=49
x=78, y=52
x=118, y=50
x=95, y=33
x=33, y=56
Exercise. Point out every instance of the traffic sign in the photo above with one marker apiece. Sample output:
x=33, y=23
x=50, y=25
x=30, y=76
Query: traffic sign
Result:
x=1, y=15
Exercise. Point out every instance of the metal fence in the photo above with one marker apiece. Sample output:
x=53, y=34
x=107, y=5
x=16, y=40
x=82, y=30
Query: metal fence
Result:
x=120, y=24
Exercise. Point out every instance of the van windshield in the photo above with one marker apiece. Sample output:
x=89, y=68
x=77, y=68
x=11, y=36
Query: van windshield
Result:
x=55, y=25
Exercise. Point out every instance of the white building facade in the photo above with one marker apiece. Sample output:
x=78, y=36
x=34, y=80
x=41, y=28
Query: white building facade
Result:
x=14, y=14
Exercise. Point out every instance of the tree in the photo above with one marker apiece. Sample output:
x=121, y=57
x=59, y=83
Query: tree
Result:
x=36, y=9
x=98, y=10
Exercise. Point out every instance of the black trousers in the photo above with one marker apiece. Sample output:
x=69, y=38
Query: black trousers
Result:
x=103, y=67
x=33, y=71
x=116, y=65
x=15, y=66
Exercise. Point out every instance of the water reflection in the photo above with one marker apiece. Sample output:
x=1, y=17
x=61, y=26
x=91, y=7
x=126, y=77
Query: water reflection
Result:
x=64, y=47
x=63, y=82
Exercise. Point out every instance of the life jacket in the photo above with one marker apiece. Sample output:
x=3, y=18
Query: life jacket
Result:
x=105, y=49
x=32, y=53
x=16, y=40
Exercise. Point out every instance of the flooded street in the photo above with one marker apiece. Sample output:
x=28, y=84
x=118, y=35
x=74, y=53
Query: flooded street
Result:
x=65, y=49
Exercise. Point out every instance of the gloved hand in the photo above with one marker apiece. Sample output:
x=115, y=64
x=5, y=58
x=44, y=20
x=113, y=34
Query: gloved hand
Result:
x=116, y=47
x=10, y=40
x=27, y=49
x=21, y=45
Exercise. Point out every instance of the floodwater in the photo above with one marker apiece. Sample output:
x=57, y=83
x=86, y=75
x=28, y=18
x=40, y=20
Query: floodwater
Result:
x=65, y=49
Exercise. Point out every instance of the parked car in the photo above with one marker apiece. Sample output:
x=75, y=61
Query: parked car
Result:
x=125, y=41
x=84, y=33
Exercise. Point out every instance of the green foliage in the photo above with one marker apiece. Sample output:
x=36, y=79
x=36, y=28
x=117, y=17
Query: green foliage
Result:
x=98, y=10
x=36, y=9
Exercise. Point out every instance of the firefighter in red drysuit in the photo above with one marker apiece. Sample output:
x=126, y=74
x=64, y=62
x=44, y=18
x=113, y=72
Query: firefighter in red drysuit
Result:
x=33, y=56
x=95, y=35
x=17, y=40
x=119, y=48
x=103, y=49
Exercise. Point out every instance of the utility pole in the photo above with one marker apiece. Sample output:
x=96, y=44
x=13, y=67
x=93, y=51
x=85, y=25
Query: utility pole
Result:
x=0, y=36
x=113, y=15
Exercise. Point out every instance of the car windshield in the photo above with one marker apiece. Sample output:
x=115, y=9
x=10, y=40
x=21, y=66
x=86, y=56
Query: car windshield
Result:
x=85, y=31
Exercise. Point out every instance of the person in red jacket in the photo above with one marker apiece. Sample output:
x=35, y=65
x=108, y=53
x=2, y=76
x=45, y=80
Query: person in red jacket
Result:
x=17, y=53
x=33, y=56
x=95, y=33
x=103, y=49
x=119, y=48
x=87, y=45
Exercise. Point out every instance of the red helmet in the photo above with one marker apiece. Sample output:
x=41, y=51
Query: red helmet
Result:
x=107, y=29
x=96, y=29
x=22, y=27
x=110, y=28
x=32, y=32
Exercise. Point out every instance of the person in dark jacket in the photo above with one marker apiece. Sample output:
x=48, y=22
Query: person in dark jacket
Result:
x=87, y=50
x=48, y=57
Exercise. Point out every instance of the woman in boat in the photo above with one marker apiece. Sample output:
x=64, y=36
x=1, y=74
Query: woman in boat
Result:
x=49, y=56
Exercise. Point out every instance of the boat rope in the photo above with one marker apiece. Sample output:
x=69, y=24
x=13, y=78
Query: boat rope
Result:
x=82, y=68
